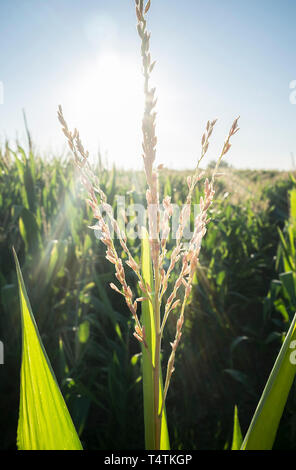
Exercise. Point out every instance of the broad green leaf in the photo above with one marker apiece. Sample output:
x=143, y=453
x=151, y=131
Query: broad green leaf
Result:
x=237, y=438
x=44, y=421
x=263, y=428
x=291, y=234
x=148, y=388
x=289, y=284
x=29, y=230
x=275, y=287
x=289, y=264
x=280, y=306
x=147, y=321
x=220, y=277
x=83, y=331
x=293, y=204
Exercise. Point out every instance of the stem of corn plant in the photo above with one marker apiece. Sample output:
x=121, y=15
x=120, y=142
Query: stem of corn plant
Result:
x=157, y=416
x=149, y=143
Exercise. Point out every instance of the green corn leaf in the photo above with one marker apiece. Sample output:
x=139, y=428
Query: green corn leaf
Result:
x=29, y=230
x=292, y=195
x=287, y=260
x=148, y=388
x=289, y=284
x=280, y=306
x=147, y=321
x=291, y=235
x=55, y=257
x=237, y=434
x=263, y=428
x=44, y=421
x=83, y=331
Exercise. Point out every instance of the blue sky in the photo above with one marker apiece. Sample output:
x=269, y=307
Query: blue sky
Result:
x=215, y=59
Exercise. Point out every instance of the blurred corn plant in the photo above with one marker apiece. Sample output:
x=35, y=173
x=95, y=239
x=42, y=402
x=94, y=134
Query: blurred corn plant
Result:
x=98, y=366
x=276, y=398
x=280, y=302
x=44, y=218
x=282, y=293
x=225, y=359
x=228, y=346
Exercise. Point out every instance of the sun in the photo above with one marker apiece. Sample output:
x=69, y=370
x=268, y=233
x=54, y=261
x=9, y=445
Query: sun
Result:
x=105, y=101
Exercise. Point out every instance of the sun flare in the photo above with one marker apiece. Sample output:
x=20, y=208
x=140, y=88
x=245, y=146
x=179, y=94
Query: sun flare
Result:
x=106, y=103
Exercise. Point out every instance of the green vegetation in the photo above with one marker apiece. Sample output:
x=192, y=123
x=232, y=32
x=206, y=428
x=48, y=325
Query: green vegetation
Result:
x=44, y=421
x=242, y=304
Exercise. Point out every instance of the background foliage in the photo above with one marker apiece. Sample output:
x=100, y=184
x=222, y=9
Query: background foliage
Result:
x=243, y=299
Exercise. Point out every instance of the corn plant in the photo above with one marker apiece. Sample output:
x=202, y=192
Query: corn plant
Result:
x=282, y=292
x=263, y=428
x=165, y=279
x=152, y=276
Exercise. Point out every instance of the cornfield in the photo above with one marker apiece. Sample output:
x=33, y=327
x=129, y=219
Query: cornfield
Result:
x=93, y=375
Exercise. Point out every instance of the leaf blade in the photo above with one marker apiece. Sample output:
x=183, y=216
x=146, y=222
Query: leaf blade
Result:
x=44, y=421
x=148, y=387
x=237, y=438
x=263, y=427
